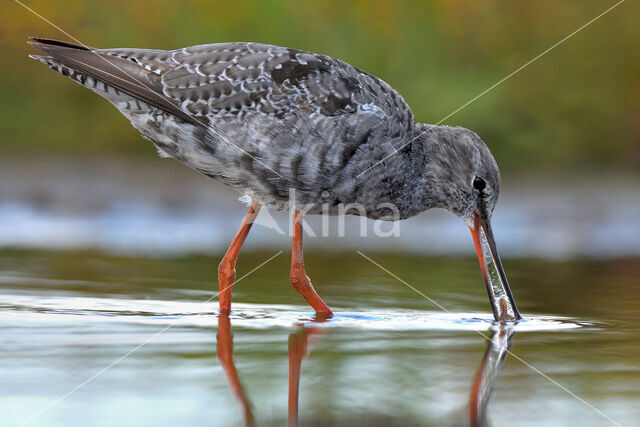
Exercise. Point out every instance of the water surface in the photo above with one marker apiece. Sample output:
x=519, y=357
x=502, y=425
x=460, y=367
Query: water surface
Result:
x=95, y=339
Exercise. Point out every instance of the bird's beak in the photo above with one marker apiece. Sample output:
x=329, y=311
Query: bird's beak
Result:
x=502, y=302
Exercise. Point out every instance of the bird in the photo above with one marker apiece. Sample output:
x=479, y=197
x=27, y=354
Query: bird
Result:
x=296, y=131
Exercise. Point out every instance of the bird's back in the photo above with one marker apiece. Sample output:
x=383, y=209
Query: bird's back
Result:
x=264, y=119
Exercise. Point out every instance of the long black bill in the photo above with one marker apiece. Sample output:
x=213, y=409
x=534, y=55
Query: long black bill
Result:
x=502, y=302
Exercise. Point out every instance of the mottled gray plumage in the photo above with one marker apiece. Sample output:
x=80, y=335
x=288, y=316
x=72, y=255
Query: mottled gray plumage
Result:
x=266, y=120
x=296, y=130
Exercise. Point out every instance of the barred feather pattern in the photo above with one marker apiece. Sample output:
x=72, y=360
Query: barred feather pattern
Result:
x=272, y=122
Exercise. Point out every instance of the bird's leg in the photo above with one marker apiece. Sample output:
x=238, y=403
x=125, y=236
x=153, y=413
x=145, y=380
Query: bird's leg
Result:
x=298, y=277
x=227, y=267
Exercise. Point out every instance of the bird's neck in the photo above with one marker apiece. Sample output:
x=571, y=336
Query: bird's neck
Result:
x=420, y=166
x=398, y=182
x=406, y=180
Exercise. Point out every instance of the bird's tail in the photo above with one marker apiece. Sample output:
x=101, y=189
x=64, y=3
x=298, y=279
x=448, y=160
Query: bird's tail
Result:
x=100, y=71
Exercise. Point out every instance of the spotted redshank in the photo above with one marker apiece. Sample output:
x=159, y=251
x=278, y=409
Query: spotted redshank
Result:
x=296, y=131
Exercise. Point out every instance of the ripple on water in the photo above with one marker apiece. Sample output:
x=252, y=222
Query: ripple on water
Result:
x=36, y=308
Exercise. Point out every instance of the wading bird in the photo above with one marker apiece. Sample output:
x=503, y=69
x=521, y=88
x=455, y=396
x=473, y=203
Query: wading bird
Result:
x=296, y=131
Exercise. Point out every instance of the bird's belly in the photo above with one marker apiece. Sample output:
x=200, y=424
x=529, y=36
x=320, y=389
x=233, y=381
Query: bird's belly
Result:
x=174, y=138
x=221, y=154
x=281, y=179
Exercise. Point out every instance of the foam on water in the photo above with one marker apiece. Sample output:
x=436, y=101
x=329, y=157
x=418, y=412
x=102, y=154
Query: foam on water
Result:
x=16, y=309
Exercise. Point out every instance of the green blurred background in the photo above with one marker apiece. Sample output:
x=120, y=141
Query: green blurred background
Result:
x=575, y=109
x=97, y=235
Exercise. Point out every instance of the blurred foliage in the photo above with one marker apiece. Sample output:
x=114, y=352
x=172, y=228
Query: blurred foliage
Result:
x=575, y=108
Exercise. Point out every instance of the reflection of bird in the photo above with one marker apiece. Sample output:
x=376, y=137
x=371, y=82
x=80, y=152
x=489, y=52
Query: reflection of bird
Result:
x=294, y=130
x=225, y=356
x=475, y=412
x=299, y=345
x=300, y=341
x=488, y=373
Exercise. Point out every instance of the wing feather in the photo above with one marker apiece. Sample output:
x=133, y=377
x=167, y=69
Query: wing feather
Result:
x=226, y=79
x=117, y=72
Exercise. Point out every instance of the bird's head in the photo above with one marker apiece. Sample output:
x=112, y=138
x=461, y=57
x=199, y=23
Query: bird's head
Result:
x=464, y=179
x=463, y=175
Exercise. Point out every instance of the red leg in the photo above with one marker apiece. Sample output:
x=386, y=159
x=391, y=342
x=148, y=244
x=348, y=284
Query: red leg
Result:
x=227, y=268
x=299, y=279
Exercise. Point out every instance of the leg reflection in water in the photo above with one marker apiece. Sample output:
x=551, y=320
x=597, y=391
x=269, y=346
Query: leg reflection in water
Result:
x=488, y=373
x=225, y=357
x=299, y=346
x=300, y=343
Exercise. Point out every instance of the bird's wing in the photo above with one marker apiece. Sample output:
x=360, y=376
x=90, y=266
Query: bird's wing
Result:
x=226, y=79
x=231, y=78
x=312, y=118
x=115, y=71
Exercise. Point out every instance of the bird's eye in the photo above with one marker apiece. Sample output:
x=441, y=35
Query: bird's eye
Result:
x=479, y=183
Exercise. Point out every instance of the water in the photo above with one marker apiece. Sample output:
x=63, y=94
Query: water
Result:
x=94, y=339
x=163, y=208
